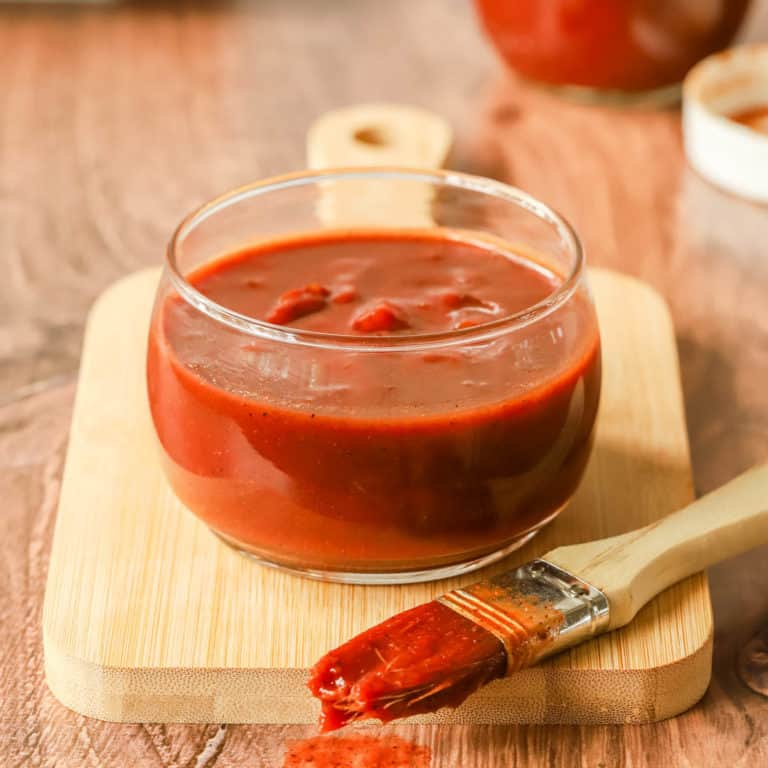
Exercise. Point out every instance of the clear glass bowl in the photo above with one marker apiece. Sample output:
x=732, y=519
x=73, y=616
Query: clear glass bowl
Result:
x=459, y=446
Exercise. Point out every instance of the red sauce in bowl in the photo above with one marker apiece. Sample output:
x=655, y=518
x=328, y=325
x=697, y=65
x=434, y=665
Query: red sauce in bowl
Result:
x=755, y=118
x=627, y=45
x=345, y=458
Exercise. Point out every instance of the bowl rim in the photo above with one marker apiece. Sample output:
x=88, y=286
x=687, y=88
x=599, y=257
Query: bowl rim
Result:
x=445, y=178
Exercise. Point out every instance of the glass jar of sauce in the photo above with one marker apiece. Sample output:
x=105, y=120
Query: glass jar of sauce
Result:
x=363, y=390
x=610, y=50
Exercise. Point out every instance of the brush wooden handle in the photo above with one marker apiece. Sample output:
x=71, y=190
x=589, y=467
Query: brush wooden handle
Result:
x=632, y=568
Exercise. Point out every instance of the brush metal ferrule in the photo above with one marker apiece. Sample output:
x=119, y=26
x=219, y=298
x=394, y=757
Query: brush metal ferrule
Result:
x=536, y=610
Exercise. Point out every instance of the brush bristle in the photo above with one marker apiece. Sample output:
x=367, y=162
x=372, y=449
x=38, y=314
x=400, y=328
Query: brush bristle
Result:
x=418, y=661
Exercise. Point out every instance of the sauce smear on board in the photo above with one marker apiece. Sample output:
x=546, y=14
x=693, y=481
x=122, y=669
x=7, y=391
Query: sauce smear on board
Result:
x=362, y=751
x=337, y=459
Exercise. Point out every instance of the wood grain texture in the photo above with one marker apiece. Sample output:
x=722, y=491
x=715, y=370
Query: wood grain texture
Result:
x=117, y=122
x=148, y=617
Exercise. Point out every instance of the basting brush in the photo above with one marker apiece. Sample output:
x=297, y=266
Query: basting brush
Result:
x=438, y=653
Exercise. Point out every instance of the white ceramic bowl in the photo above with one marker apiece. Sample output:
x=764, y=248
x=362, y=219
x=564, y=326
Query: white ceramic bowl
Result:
x=727, y=153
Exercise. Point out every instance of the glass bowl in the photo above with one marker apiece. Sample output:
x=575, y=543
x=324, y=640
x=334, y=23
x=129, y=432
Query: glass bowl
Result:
x=615, y=51
x=375, y=459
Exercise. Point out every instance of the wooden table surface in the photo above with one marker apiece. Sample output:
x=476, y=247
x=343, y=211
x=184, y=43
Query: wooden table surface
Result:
x=115, y=122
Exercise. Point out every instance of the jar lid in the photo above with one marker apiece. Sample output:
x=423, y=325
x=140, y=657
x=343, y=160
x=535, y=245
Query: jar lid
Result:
x=725, y=120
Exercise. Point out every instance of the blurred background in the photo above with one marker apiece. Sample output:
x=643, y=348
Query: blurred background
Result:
x=118, y=119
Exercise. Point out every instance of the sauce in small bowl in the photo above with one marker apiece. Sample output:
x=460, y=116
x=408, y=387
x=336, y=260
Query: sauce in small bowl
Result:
x=755, y=118
x=375, y=404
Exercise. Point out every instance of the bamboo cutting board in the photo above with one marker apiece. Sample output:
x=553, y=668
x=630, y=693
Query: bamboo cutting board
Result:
x=149, y=617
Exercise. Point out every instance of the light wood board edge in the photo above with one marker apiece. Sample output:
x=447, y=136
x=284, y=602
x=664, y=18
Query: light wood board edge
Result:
x=533, y=696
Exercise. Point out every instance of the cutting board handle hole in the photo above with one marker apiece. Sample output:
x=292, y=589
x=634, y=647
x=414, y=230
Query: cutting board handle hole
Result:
x=373, y=136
